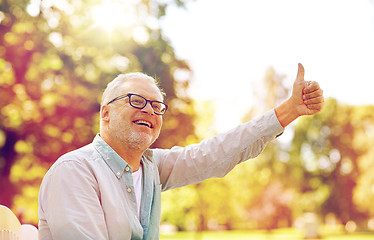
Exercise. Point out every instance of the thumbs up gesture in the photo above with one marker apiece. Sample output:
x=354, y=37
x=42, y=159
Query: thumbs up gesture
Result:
x=306, y=99
x=306, y=95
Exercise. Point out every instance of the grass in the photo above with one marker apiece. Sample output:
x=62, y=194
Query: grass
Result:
x=279, y=234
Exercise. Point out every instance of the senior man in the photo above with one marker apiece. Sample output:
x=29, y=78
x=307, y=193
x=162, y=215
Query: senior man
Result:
x=111, y=188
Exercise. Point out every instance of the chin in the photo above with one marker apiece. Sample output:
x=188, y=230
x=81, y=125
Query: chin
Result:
x=141, y=141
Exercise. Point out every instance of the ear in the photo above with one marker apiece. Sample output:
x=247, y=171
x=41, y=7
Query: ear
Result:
x=104, y=113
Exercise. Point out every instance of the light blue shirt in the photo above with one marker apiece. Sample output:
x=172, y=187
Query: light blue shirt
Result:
x=89, y=193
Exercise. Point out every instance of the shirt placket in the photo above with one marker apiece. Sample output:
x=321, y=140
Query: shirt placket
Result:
x=129, y=191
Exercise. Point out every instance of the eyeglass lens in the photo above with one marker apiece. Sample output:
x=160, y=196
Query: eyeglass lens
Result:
x=140, y=102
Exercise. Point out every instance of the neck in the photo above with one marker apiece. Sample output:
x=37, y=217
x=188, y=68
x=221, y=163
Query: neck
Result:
x=127, y=153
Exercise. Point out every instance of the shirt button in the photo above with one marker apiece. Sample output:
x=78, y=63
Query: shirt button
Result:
x=127, y=169
x=129, y=190
x=118, y=174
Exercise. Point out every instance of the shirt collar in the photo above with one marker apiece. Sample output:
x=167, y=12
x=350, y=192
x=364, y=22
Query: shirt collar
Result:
x=112, y=159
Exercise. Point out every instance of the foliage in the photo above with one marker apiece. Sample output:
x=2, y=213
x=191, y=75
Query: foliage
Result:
x=331, y=149
x=55, y=60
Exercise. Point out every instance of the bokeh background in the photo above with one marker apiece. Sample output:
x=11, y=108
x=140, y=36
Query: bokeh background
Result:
x=220, y=63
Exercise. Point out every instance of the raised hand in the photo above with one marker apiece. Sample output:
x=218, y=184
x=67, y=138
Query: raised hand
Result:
x=306, y=99
x=306, y=95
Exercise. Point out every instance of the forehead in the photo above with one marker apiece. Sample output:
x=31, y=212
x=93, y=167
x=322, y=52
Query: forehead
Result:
x=142, y=87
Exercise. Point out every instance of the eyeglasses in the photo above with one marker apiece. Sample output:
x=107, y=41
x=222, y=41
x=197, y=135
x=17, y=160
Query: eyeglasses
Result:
x=140, y=102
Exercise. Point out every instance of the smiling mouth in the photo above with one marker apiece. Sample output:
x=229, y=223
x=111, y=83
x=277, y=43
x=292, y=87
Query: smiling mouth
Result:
x=143, y=123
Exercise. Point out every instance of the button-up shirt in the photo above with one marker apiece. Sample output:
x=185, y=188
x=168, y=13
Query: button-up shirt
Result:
x=89, y=193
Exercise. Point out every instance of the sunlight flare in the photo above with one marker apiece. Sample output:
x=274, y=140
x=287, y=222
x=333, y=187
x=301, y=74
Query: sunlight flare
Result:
x=111, y=14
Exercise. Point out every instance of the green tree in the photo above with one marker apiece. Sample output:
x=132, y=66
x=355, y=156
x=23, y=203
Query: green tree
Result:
x=327, y=168
x=55, y=60
x=333, y=152
x=363, y=194
x=268, y=194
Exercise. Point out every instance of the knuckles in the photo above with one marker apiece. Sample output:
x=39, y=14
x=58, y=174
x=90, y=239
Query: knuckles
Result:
x=312, y=87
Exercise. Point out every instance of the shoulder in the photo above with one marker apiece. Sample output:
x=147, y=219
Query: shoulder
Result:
x=76, y=160
x=80, y=155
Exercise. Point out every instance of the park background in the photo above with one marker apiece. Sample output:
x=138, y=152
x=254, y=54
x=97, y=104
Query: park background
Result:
x=221, y=63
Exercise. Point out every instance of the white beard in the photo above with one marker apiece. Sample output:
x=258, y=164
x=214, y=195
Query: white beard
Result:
x=138, y=140
x=133, y=139
x=126, y=134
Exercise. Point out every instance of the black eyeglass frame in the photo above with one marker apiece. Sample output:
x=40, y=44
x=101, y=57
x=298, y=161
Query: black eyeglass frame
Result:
x=146, y=101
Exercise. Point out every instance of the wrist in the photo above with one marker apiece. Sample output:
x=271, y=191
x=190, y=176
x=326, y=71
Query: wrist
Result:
x=286, y=113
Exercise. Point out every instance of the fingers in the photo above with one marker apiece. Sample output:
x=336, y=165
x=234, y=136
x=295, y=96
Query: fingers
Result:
x=316, y=107
x=313, y=94
x=300, y=73
x=313, y=97
x=314, y=100
x=311, y=87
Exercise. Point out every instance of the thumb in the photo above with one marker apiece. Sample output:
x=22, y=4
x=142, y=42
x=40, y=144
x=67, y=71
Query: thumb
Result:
x=300, y=73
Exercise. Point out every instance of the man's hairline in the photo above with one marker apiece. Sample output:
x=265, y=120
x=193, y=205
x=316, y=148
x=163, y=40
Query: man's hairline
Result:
x=127, y=77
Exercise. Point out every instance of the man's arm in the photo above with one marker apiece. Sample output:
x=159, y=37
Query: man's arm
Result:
x=217, y=156
x=306, y=99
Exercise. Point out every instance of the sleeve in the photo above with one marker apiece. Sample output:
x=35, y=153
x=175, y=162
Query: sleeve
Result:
x=217, y=156
x=69, y=204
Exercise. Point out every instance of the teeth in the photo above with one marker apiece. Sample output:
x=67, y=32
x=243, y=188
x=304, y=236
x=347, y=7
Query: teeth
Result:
x=143, y=122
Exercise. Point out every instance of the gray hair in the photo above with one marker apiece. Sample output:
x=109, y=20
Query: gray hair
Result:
x=113, y=88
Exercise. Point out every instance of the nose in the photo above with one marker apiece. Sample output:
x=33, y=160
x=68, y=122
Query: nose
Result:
x=148, y=108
